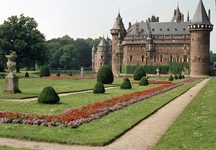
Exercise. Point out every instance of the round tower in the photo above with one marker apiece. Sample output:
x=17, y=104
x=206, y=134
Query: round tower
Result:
x=117, y=28
x=200, y=29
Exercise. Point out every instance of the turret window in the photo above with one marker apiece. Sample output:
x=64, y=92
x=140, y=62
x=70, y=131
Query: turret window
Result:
x=171, y=58
x=142, y=58
x=198, y=59
x=141, y=47
x=131, y=58
x=199, y=49
x=185, y=59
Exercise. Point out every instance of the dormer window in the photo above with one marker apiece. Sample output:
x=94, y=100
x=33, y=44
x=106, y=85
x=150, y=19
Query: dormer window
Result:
x=160, y=29
x=175, y=29
x=153, y=29
x=168, y=29
x=183, y=29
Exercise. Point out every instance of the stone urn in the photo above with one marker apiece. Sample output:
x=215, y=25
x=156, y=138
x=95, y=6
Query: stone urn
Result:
x=11, y=64
x=11, y=80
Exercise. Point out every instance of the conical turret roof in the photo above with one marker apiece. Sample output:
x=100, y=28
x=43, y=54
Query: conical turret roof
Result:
x=93, y=48
x=118, y=23
x=200, y=15
x=103, y=42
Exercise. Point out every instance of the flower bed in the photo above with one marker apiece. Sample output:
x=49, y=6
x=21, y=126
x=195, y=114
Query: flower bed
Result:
x=69, y=77
x=191, y=80
x=156, y=82
x=74, y=117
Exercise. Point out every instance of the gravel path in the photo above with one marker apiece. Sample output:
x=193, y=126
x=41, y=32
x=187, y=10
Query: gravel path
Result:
x=142, y=137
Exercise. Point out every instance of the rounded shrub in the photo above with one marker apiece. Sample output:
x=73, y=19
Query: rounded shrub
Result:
x=98, y=88
x=70, y=74
x=144, y=82
x=179, y=76
x=48, y=96
x=105, y=75
x=58, y=73
x=26, y=74
x=183, y=76
x=126, y=84
x=175, y=77
x=170, y=78
x=139, y=73
x=44, y=71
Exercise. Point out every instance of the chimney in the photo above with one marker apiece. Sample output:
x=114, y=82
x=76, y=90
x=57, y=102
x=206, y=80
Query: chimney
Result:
x=174, y=12
x=209, y=14
x=182, y=18
x=157, y=19
x=137, y=28
x=129, y=25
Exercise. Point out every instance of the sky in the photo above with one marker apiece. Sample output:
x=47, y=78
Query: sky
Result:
x=94, y=18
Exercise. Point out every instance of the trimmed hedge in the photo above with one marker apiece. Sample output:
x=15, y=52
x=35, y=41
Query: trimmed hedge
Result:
x=170, y=78
x=126, y=84
x=26, y=74
x=44, y=71
x=139, y=73
x=70, y=74
x=48, y=96
x=105, y=75
x=58, y=73
x=98, y=88
x=175, y=77
x=144, y=82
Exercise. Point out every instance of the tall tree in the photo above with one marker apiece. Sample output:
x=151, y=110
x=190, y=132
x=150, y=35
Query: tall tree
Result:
x=84, y=52
x=20, y=34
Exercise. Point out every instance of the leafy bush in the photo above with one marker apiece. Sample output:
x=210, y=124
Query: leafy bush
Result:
x=105, y=75
x=70, y=74
x=175, y=77
x=58, y=73
x=44, y=71
x=48, y=96
x=183, y=76
x=26, y=74
x=126, y=84
x=170, y=78
x=98, y=88
x=139, y=73
x=144, y=82
x=179, y=76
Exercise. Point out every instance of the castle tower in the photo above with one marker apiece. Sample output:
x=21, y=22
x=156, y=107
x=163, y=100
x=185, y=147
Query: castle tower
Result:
x=200, y=29
x=93, y=58
x=117, y=28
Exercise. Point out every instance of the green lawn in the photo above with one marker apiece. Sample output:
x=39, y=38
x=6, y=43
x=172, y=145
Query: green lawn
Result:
x=98, y=132
x=195, y=129
x=11, y=148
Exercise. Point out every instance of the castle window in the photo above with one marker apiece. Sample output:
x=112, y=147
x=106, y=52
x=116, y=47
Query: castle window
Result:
x=131, y=58
x=184, y=36
x=171, y=58
x=199, y=49
x=185, y=59
x=185, y=46
x=164, y=46
x=161, y=58
x=183, y=29
x=141, y=47
x=155, y=58
x=130, y=47
x=168, y=29
x=158, y=46
x=177, y=59
x=160, y=29
x=114, y=60
x=102, y=57
x=171, y=36
x=175, y=29
x=171, y=46
x=142, y=58
x=100, y=63
x=105, y=63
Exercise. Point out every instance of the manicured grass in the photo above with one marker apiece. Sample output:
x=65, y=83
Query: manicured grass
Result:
x=31, y=87
x=98, y=132
x=11, y=148
x=195, y=128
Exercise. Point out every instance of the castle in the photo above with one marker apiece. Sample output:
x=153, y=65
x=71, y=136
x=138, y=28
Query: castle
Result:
x=155, y=43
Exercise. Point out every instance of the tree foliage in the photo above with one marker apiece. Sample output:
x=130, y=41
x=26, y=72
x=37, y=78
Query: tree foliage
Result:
x=20, y=34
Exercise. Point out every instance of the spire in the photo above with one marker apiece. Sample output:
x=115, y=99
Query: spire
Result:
x=200, y=15
x=102, y=42
x=177, y=15
x=118, y=23
x=188, y=18
x=93, y=48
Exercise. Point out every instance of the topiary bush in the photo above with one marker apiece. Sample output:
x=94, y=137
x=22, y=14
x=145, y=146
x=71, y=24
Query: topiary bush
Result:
x=126, y=84
x=144, y=82
x=70, y=74
x=179, y=76
x=183, y=76
x=48, y=96
x=44, y=71
x=139, y=73
x=105, y=75
x=98, y=88
x=170, y=78
x=26, y=74
x=175, y=77
x=58, y=73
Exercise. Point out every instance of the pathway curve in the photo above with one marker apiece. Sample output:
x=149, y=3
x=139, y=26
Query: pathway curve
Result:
x=142, y=137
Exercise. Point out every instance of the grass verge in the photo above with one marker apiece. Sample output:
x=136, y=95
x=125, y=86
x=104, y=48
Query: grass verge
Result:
x=11, y=148
x=195, y=128
x=99, y=132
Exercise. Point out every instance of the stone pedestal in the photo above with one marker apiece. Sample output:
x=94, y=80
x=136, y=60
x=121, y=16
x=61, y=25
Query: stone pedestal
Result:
x=11, y=85
x=157, y=75
x=81, y=74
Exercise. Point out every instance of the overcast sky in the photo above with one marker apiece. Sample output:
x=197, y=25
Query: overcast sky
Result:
x=93, y=18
